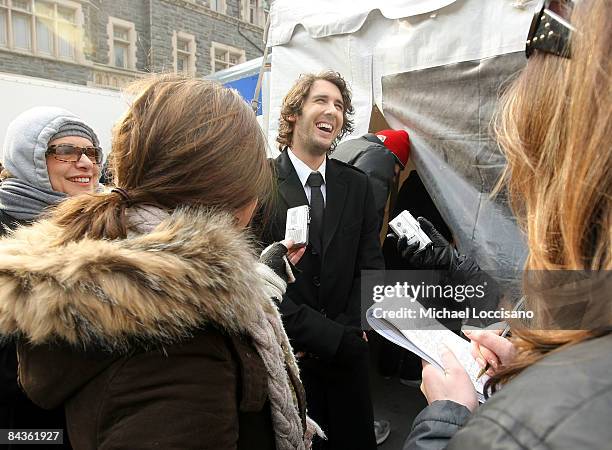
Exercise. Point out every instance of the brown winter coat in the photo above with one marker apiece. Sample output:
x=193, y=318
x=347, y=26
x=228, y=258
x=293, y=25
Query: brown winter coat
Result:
x=147, y=341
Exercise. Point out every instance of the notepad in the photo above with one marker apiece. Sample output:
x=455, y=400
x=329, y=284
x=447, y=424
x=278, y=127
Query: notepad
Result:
x=428, y=343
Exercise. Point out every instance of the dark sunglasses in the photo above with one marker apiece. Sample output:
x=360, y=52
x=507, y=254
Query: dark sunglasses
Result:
x=73, y=153
x=550, y=30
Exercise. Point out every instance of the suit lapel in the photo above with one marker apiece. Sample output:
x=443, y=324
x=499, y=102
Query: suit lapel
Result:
x=335, y=191
x=289, y=185
x=292, y=192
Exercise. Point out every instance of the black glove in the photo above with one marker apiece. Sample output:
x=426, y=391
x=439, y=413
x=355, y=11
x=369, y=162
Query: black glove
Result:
x=274, y=256
x=460, y=269
x=352, y=346
x=439, y=255
x=469, y=273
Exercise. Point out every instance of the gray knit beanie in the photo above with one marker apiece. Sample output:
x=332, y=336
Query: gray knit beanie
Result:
x=75, y=129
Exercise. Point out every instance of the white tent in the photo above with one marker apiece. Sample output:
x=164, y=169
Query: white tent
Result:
x=432, y=67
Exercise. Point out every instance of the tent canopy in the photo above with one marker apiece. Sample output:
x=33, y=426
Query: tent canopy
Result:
x=324, y=19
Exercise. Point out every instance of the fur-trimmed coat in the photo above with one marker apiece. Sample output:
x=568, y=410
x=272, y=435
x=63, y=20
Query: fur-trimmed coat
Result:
x=16, y=410
x=154, y=341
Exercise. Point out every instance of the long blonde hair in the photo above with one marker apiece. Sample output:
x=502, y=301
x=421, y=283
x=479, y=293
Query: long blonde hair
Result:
x=183, y=141
x=554, y=126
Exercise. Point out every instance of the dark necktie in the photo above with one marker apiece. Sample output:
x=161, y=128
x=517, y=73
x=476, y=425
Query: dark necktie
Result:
x=317, y=207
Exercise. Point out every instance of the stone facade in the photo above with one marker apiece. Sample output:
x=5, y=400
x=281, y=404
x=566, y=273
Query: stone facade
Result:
x=155, y=27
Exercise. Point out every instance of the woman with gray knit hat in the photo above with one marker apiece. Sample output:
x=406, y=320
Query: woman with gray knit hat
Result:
x=48, y=155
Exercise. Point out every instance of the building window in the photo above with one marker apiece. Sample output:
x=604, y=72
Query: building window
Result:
x=67, y=32
x=184, y=46
x=217, y=5
x=121, y=46
x=252, y=11
x=3, y=25
x=224, y=56
x=42, y=27
x=22, y=24
x=121, y=43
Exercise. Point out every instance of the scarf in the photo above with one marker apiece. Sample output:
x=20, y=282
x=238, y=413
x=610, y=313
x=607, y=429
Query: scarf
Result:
x=25, y=201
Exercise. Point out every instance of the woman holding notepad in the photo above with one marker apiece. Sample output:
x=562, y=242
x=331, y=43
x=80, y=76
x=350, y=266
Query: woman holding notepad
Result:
x=551, y=383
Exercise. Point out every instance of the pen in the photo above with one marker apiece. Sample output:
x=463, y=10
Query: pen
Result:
x=504, y=333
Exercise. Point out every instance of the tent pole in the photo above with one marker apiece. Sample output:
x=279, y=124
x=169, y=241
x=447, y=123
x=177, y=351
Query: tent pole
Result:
x=255, y=100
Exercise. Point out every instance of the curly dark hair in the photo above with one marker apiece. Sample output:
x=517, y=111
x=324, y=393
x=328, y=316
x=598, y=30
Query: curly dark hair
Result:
x=294, y=101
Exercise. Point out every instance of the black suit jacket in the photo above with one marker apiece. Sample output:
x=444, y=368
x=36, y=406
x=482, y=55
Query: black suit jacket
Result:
x=326, y=294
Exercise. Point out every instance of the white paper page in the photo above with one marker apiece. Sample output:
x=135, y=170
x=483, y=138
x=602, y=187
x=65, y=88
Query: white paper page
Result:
x=432, y=342
x=429, y=345
x=394, y=335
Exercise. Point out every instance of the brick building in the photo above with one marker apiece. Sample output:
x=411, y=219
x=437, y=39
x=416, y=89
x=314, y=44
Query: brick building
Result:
x=107, y=43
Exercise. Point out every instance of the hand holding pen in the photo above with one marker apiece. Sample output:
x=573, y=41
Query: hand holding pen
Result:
x=490, y=349
x=491, y=361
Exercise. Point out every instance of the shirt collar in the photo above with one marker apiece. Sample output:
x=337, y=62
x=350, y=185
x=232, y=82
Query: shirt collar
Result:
x=303, y=171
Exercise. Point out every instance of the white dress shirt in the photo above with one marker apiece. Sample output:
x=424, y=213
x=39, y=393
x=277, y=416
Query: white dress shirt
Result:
x=303, y=172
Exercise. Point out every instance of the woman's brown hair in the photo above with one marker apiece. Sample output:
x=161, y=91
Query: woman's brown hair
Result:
x=183, y=141
x=555, y=125
x=294, y=101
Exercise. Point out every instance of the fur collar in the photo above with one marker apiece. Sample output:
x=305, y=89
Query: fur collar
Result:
x=194, y=268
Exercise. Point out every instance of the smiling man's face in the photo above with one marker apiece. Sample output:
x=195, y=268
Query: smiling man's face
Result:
x=321, y=119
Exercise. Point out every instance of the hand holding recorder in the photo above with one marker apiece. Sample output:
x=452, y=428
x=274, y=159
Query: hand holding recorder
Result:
x=421, y=245
x=297, y=225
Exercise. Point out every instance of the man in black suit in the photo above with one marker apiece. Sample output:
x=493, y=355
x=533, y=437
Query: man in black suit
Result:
x=322, y=309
